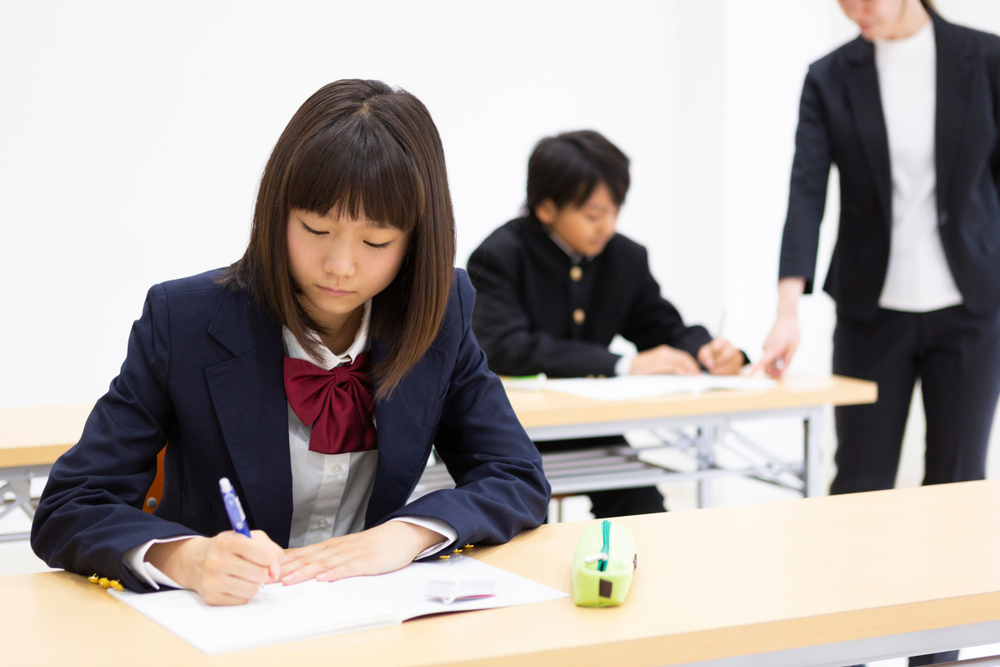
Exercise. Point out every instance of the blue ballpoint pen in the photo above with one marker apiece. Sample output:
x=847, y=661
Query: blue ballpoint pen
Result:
x=237, y=519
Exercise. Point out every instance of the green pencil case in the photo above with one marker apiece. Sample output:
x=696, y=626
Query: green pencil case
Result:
x=603, y=565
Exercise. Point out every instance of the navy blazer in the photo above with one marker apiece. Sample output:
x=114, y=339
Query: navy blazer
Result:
x=841, y=121
x=204, y=370
x=527, y=297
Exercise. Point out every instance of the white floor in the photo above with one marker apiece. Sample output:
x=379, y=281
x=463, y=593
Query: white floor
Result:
x=17, y=557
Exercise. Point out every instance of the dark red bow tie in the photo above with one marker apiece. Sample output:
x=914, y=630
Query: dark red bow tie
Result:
x=336, y=403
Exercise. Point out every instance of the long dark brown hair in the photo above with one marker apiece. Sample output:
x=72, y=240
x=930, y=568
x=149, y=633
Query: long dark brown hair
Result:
x=362, y=147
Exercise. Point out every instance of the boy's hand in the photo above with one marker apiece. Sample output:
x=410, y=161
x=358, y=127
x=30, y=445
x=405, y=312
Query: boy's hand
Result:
x=227, y=569
x=664, y=359
x=721, y=357
x=381, y=549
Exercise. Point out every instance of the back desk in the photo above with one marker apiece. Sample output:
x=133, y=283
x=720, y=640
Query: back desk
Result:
x=39, y=435
x=32, y=438
x=824, y=581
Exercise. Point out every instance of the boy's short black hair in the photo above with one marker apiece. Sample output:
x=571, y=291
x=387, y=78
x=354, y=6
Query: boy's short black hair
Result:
x=566, y=168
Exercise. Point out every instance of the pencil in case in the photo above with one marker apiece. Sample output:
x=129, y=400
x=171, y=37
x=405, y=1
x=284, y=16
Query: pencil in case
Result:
x=603, y=565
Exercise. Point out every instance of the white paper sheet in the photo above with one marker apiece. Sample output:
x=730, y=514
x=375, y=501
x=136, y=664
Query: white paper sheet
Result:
x=281, y=614
x=628, y=387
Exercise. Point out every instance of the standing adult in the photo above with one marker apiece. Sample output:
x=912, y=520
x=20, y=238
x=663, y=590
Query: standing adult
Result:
x=909, y=113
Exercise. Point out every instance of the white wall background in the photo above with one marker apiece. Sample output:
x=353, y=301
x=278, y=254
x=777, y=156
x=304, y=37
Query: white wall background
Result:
x=132, y=136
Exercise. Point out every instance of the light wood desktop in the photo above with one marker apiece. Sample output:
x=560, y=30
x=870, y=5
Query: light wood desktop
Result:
x=549, y=415
x=39, y=435
x=824, y=581
x=32, y=438
x=546, y=409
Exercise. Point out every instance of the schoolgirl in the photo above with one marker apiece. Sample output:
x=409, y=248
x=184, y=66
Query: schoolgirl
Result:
x=316, y=373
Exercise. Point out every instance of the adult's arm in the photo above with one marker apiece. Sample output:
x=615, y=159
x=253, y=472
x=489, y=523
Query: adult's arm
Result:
x=504, y=329
x=807, y=190
x=993, y=75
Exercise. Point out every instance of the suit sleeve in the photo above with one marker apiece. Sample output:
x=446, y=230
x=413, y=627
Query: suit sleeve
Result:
x=807, y=191
x=993, y=75
x=505, y=332
x=652, y=320
x=90, y=512
x=500, y=488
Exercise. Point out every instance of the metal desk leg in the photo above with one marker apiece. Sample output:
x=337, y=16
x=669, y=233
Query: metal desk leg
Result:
x=707, y=436
x=19, y=483
x=813, y=454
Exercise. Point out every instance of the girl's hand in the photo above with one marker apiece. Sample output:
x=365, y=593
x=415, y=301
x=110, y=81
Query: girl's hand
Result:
x=381, y=549
x=721, y=357
x=227, y=569
x=664, y=359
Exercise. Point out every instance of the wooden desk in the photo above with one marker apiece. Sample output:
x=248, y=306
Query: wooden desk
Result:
x=39, y=435
x=32, y=438
x=549, y=415
x=824, y=581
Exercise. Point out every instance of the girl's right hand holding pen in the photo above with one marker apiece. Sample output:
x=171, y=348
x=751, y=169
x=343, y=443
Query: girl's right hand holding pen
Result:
x=227, y=569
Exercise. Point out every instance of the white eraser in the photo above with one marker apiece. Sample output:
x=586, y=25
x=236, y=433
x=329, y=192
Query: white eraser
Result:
x=450, y=589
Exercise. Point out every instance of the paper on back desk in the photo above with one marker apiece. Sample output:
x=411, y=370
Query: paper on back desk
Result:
x=628, y=387
x=282, y=614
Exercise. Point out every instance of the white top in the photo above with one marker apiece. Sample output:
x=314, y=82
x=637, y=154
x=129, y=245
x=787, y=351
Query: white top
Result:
x=918, y=278
x=330, y=492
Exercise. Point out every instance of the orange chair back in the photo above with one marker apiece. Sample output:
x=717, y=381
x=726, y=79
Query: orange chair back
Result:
x=155, y=493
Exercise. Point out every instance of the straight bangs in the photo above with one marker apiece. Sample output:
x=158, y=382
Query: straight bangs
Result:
x=354, y=168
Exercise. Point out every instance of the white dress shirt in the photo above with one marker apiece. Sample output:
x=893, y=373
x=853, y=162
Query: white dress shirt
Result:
x=330, y=492
x=918, y=278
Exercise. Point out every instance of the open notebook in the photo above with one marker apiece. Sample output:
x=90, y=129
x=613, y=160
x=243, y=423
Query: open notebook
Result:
x=629, y=387
x=281, y=614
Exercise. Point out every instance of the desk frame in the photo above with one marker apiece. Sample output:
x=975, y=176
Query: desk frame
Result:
x=712, y=432
x=19, y=483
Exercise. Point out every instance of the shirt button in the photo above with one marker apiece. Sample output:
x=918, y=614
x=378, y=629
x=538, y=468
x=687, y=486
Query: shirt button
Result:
x=337, y=469
x=323, y=523
x=579, y=316
x=576, y=274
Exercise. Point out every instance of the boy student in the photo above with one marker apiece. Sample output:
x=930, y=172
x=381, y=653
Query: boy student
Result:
x=556, y=285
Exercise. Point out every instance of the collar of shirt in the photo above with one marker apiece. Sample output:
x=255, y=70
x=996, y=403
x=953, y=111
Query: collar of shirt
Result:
x=919, y=42
x=327, y=359
x=574, y=256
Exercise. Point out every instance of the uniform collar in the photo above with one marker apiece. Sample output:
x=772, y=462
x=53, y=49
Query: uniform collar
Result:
x=324, y=357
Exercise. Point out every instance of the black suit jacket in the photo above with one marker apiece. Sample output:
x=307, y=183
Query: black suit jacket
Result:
x=841, y=122
x=204, y=370
x=526, y=298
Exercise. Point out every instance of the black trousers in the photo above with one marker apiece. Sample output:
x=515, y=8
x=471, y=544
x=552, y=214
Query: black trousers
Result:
x=956, y=355
x=614, y=502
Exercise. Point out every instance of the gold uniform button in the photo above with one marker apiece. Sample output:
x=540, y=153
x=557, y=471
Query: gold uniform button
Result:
x=576, y=274
x=579, y=316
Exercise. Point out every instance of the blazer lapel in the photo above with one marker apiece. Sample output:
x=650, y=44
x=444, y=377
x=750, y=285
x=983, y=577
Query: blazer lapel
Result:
x=248, y=394
x=953, y=79
x=866, y=108
x=406, y=423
